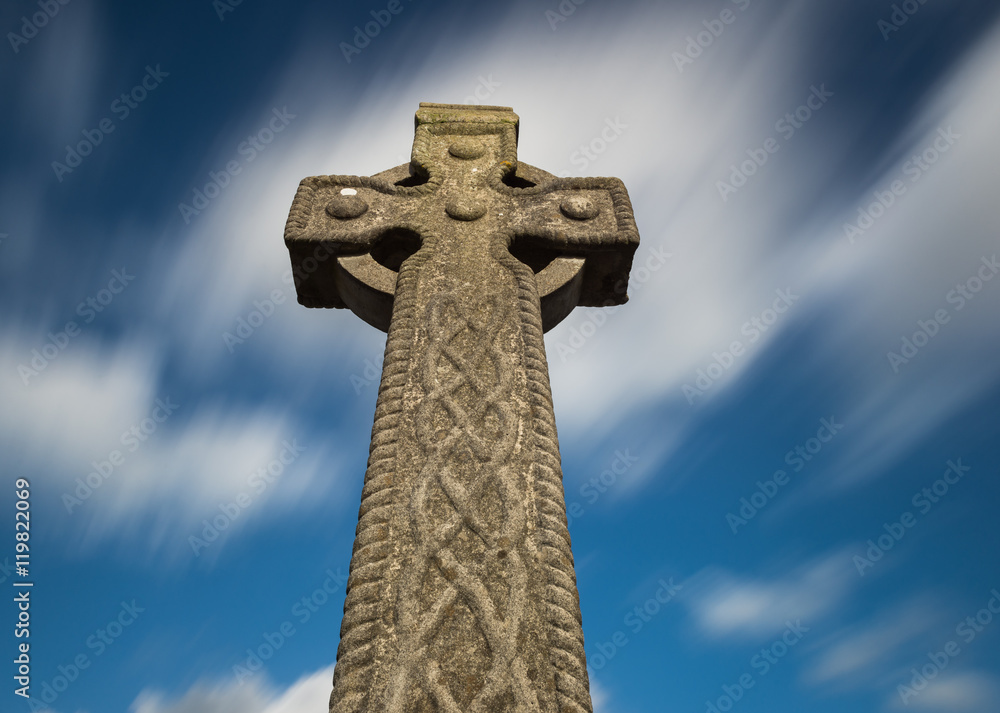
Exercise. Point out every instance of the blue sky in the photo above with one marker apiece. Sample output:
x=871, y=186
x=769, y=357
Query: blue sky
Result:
x=777, y=455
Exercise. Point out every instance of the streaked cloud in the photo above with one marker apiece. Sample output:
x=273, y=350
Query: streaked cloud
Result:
x=726, y=605
x=309, y=693
x=122, y=453
x=870, y=652
x=958, y=692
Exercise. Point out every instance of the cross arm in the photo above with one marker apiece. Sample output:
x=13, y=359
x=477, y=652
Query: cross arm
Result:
x=337, y=216
x=589, y=217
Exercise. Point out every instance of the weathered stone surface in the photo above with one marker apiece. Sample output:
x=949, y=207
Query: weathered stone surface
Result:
x=462, y=594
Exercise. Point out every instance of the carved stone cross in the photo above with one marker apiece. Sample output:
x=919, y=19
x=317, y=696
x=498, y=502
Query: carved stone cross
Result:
x=462, y=594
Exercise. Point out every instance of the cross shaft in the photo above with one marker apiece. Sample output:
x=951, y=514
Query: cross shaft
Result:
x=462, y=593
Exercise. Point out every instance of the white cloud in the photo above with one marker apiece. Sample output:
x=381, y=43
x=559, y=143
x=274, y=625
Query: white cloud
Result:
x=233, y=260
x=309, y=693
x=199, y=470
x=877, y=654
x=94, y=408
x=868, y=653
x=953, y=693
x=61, y=415
x=729, y=258
x=600, y=697
x=726, y=605
x=904, y=269
x=723, y=268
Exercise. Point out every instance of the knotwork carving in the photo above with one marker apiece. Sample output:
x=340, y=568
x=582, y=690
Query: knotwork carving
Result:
x=467, y=515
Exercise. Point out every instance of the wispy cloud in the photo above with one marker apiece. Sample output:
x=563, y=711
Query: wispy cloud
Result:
x=859, y=299
x=870, y=653
x=877, y=654
x=971, y=691
x=907, y=268
x=309, y=693
x=61, y=415
x=729, y=605
x=600, y=697
x=953, y=693
x=121, y=453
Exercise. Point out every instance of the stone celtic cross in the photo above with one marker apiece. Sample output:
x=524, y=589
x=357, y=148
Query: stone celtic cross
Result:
x=462, y=593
